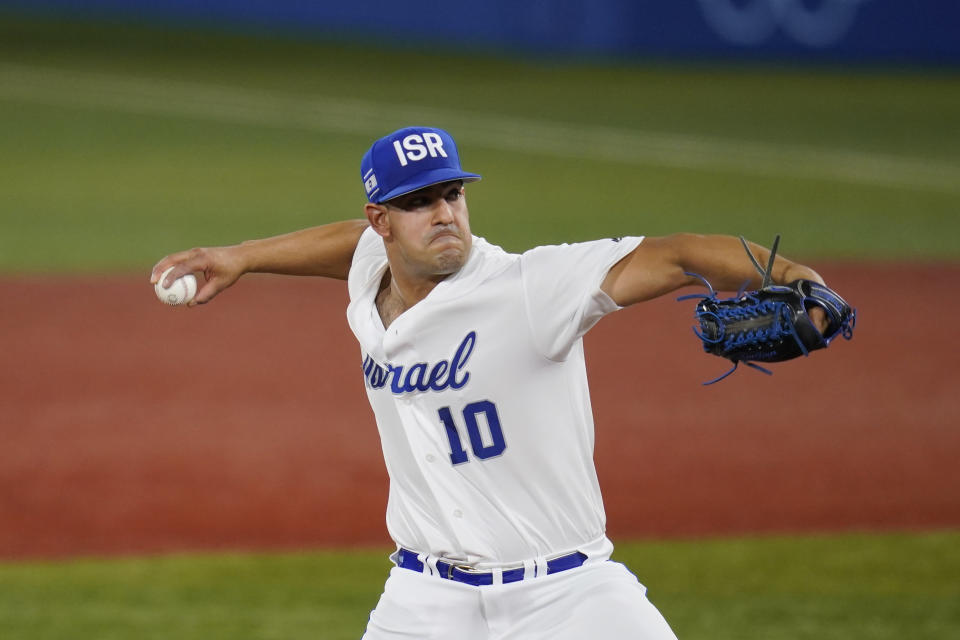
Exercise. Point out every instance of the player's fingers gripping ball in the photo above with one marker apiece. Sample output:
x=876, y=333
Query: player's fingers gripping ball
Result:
x=180, y=291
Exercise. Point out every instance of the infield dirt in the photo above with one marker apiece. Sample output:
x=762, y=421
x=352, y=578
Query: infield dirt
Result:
x=131, y=427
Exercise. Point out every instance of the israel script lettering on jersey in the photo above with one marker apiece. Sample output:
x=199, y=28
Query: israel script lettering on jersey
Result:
x=422, y=376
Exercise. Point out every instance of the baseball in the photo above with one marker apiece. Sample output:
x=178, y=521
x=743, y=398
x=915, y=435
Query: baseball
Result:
x=181, y=291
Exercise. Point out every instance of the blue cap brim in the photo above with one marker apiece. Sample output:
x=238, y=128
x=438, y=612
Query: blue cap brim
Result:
x=427, y=179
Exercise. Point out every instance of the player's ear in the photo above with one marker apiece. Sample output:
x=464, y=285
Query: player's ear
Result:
x=377, y=216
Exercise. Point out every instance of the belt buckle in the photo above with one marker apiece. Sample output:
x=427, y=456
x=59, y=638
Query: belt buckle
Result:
x=465, y=568
x=470, y=575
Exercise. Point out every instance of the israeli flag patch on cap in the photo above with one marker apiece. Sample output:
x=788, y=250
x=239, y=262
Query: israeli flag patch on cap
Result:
x=370, y=183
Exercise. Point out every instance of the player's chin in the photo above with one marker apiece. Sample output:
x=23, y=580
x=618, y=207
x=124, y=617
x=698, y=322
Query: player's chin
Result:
x=450, y=260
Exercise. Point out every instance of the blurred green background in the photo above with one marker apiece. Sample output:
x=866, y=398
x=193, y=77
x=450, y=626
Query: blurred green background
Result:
x=876, y=587
x=119, y=144
x=122, y=144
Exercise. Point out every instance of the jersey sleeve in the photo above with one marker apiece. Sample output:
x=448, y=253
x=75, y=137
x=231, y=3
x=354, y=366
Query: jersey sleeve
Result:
x=562, y=290
x=368, y=260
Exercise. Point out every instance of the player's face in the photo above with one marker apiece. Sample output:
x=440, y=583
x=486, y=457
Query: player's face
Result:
x=429, y=229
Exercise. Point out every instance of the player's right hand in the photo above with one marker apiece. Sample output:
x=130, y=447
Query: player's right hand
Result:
x=220, y=266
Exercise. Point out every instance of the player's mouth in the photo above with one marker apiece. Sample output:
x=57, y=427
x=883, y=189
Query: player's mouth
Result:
x=444, y=234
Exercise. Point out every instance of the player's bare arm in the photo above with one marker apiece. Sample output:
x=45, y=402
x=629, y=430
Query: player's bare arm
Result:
x=325, y=250
x=661, y=264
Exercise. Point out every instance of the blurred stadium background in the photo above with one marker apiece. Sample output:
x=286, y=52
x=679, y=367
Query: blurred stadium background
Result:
x=129, y=130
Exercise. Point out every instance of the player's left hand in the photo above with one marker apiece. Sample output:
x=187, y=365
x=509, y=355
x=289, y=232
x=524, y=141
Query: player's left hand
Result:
x=819, y=319
x=775, y=323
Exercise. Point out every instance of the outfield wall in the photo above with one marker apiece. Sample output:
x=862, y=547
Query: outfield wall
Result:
x=849, y=31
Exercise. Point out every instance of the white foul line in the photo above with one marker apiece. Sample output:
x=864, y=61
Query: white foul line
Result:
x=157, y=96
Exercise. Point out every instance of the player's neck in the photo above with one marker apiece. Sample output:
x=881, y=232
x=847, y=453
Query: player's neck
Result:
x=398, y=292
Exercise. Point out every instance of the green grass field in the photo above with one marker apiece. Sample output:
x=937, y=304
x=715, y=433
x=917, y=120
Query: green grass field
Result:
x=841, y=587
x=119, y=145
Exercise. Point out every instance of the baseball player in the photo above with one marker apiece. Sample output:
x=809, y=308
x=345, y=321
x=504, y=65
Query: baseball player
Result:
x=473, y=363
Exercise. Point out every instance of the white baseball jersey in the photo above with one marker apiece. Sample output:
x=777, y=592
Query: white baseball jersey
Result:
x=481, y=400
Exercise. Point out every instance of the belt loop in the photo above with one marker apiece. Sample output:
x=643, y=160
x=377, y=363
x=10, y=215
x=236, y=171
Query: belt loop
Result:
x=497, y=576
x=541, y=563
x=432, y=563
x=529, y=569
x=429, y=564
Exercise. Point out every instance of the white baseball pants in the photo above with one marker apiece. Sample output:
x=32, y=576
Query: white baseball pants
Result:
x=603, y=601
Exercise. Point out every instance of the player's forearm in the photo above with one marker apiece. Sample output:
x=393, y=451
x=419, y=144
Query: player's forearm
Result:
x=784, y=269
x=325, y=250
x=723, y=261
x=660, y=265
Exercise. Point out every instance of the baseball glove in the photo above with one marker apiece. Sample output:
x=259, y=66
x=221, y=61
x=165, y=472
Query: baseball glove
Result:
x=770, y=324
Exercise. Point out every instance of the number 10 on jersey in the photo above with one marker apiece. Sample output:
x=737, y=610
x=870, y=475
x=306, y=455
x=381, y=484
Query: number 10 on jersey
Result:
x=484, y=445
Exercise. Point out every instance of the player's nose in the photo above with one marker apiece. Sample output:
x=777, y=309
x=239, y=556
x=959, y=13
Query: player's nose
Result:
x=442, y=212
